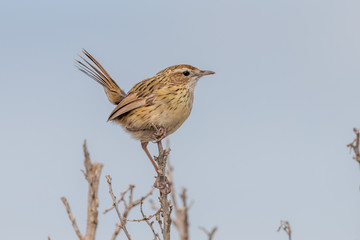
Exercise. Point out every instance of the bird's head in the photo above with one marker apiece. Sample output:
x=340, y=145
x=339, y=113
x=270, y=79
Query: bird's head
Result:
x=183, y=74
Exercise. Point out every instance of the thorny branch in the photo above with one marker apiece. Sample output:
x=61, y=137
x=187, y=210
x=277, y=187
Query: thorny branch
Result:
x=92, y=174
x=285, y=225
x=209, y=234
x=354, y=145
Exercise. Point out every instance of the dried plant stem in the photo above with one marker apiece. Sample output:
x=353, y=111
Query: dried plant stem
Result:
x=209, y=234
x=354, y=145
x=116, y=232
x=128, y=205
x=122, y=220
x=131, y=204
x=150, y=224
x=181, y=222
x=285, y=225
x=72, y=219
x=164, y=189
x=92, y=174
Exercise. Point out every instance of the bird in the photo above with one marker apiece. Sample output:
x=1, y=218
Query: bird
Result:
x=155, y=107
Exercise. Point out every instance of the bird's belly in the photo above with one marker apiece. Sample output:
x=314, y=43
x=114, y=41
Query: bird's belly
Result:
x=141, y=122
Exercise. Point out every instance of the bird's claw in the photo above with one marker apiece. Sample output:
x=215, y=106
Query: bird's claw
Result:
x=159, y=134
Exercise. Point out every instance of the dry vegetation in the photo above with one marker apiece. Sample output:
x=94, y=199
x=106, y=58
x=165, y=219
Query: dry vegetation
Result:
x=162, y=215
x=163, y=210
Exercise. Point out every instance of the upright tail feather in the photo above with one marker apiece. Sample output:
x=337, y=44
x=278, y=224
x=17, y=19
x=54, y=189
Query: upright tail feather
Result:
x=114, y=93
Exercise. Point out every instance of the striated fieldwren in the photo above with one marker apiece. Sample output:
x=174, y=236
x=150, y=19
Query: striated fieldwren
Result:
x=155, y=107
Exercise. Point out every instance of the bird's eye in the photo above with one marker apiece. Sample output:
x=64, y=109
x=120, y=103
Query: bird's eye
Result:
x=186, y=73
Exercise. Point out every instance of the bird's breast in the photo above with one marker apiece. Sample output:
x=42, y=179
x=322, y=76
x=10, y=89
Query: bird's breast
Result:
x=173, y=109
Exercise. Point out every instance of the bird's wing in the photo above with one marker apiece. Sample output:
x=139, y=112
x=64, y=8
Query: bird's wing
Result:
x=114, y=93
x=129, y=103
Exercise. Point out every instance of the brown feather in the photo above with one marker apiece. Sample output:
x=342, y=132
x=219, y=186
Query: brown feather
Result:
x=114, y=93
x=129, y=103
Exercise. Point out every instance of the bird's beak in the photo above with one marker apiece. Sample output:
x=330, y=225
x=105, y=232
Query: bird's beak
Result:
x=205, y=72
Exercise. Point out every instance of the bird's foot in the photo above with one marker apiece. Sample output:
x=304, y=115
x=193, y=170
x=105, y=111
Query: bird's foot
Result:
x=159, y=134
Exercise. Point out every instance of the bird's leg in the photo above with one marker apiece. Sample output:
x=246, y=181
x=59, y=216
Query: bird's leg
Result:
x=157, y=181
x=159, y=134
x=144, y=147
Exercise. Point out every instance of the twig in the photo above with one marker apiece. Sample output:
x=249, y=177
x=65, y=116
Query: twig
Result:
x=146, y=219
x=285, y=225
x=127, y=205
x=209, y=234
x=122, y=221
x=181, y=222
x=164, y=189
x=92, y=174
x=116, y=232
x=72, y=219
x=150, y=224
x=354, y=145
x=121, y=198
x=131, y=204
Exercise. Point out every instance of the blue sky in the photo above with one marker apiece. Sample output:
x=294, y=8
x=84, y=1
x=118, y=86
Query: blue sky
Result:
x=266, y=140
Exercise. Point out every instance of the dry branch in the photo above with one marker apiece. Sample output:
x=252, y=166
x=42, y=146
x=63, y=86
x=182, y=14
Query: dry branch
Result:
x=72, y=219
x=181, y=222
x=116, y=232
x=163, y=185
x=164, y=188
x=285, y=225
x=209, y=234
x=130, y=204
x=354, y=145
x=150, y=224
x=163, y=212
x=122, y=221
x=92, y=174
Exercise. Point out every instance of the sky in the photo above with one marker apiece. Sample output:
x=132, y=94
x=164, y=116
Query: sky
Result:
x=266, y=139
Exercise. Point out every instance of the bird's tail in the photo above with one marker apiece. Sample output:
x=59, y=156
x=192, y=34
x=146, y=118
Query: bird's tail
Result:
x=114, y=93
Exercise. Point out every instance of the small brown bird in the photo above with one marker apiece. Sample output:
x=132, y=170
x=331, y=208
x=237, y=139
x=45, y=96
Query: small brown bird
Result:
x=155, y=107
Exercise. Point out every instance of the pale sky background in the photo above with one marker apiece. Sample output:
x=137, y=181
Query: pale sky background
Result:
x=266, y=140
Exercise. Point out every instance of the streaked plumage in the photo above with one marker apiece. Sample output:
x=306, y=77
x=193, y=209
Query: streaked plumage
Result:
x=155, y=107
